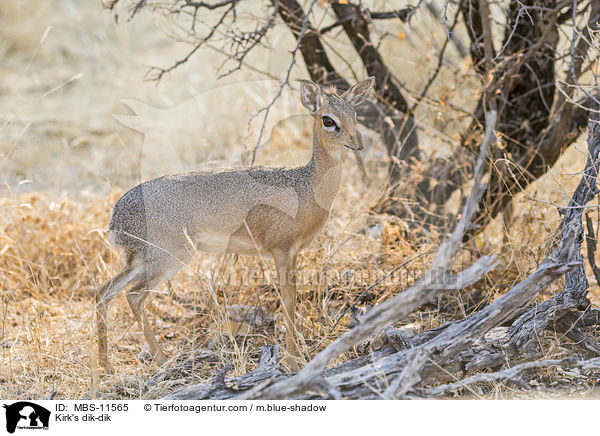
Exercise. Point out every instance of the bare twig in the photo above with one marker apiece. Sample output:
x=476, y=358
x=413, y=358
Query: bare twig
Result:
x=246, y=42
x=590, y=239
x=160, y=72
x=210, y=6
x=438, y=68
x=286, y=80
x=403, y=15
x=458, y=44
x=576, y=63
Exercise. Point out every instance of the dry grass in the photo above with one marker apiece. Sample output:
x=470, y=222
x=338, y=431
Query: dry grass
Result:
x=53, y=250
x=65, y=162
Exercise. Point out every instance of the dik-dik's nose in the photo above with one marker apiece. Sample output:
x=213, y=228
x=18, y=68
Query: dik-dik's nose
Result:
x=357, y=141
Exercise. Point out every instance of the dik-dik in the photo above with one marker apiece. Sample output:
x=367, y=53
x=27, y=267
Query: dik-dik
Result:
x=252, y=211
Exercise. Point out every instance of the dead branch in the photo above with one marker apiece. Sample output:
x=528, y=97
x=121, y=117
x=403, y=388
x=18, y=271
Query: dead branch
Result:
x=512, y=374
x=434, y=282
x=474, y=343
x=573, y=295
x=268, y=368
x=403, y=15
x=458, y=44
x=590, y=242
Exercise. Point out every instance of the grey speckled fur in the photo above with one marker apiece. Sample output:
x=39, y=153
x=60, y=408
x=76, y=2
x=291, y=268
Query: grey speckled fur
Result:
x=257, y=210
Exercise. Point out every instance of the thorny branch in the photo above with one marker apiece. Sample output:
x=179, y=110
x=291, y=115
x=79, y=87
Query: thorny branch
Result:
x=265, y=110
x=403, y=15
x=160, y=72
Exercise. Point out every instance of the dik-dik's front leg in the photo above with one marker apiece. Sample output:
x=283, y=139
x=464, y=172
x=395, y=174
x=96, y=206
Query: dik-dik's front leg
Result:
x=286, y=272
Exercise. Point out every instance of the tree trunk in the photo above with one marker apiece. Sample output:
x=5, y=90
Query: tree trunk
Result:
x=386, y=115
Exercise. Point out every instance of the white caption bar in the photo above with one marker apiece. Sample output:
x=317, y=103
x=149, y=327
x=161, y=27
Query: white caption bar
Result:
x=165, y=418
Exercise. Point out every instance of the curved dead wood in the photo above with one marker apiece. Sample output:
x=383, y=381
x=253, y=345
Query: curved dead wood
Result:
x=472, y=344
x=434, y=282
x=221, y=389
x=573, y=296
x=512, y=374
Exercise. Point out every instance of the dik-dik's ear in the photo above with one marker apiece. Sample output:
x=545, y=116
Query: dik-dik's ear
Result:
x=310, y=94
x=359, y=92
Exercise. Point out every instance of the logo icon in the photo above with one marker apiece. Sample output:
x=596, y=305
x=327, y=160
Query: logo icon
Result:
x=26, y=415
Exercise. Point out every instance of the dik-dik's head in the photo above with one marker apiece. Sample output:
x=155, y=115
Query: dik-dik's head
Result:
x=335, y=117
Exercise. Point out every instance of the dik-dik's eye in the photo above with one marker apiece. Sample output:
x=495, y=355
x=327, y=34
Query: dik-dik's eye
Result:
x=330, y=123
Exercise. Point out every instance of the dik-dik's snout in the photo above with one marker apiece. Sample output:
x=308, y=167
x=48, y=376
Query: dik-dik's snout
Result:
x=356, y=142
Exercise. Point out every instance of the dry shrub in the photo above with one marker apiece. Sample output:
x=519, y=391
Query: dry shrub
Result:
x=51, y=239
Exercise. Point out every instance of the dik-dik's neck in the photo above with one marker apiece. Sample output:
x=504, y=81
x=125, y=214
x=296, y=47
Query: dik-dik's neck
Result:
x=325, y=169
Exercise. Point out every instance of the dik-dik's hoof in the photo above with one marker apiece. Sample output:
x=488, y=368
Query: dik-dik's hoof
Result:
x=145, y=356
x=107, y=369
x=291, y=363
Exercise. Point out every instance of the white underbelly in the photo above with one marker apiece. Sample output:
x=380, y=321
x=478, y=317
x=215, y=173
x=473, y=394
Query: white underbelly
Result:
x=225, y=243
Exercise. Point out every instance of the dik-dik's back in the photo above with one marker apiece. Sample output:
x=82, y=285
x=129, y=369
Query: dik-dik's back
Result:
x=274, y=211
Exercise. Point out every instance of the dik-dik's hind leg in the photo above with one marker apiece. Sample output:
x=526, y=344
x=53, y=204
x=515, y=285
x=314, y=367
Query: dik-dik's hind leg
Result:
x=155, y=273
x=286, y=272
x=136, y=297
x=105, y=293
